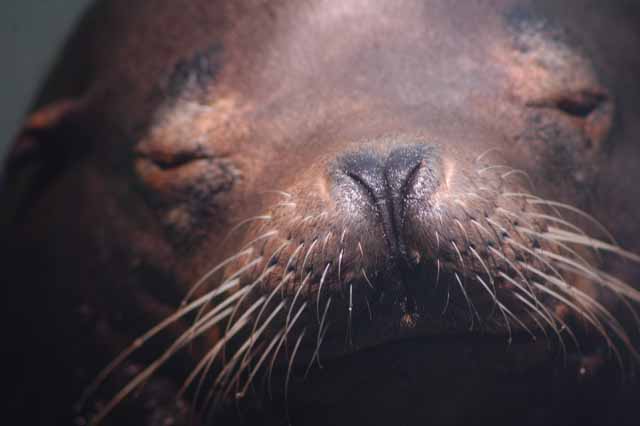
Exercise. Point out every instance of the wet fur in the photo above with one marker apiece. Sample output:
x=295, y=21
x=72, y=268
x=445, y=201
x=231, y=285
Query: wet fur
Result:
x=514, y=269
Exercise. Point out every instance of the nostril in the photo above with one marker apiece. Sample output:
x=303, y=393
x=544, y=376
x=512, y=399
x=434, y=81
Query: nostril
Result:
x=401, y=167
x=366, y=170
x=389, y=175
x=364, y=187
x=384, y=183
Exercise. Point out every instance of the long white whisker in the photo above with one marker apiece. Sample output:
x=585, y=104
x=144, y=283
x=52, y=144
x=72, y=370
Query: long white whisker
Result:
x=264, y=356
x=234, y=276
x=324, y=276
x=293, y=356
x=244, y=222
x=147, y=372
x=562, y=235
x=471, y=308
x=532, y=199
x=244, y=319
x=282, y=340
x=245, y=348
x=209, y=274
x=316, y=353
x=266, y=235
x=137, y=343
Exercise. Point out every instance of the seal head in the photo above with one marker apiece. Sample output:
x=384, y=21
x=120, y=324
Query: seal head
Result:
x=417, y=197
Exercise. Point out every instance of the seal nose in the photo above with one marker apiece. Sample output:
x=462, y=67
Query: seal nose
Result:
x=388, y=182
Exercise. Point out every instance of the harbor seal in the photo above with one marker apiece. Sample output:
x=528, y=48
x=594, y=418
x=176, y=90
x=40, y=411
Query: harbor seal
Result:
x=336, y=212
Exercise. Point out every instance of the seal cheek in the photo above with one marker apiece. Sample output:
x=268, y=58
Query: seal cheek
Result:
x=186, y=193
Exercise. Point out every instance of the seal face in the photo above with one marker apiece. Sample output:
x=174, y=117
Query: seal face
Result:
x=372, y=213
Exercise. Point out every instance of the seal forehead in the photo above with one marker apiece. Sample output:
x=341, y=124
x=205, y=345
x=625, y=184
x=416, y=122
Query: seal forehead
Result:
x=407, y=54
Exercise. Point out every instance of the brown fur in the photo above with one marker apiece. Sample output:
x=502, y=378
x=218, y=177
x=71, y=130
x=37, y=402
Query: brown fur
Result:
x=164, y=128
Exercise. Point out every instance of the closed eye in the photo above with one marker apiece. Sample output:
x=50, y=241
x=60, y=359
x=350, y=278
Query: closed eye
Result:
x=582, y=104
x=578, y=105
x=167, y=161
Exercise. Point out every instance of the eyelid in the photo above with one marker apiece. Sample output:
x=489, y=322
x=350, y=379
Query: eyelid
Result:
x=582, y=106
x=166, y=160
x=579, y=104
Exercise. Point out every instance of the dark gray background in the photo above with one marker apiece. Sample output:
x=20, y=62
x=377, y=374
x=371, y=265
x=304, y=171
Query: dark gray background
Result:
x=31, y=33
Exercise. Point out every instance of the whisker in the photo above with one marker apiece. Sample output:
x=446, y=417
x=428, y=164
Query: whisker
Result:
x=366, y=299
x=293, y=256
x=553, y=326
x=521, y=173
x=285, y=204
x=494, y=167
x=282, y=340
x=562, y=235
x=340, y=264
x=266, y=235
x=271, y=191
x=306, y=257
x=470, y=305
x=463, y=229
x=243, y=320
x=265, y=218
x=140, y=341
x=244, y=348
x=326, y=241
x=484, y=266
x=324, y=276
x=253, y=333
x=293, y=303
x=288, y=377
x=485, y=153
x=234, y=276
x=531, y=199
x=554, y=219
x=453, y=243
x=241, y=301
x=513, y=267
x=276, y=252
x=557, y=243
x=349, y=321
x=149, y=370
x=496, y=303
x=529, y=293
x=257, y=366
x=231, y=332
x=516, y=319
x=209, y=274
x=316, y=353
x=366, y=278
x=565, y=287
x=620, y=293
x=620, y=286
